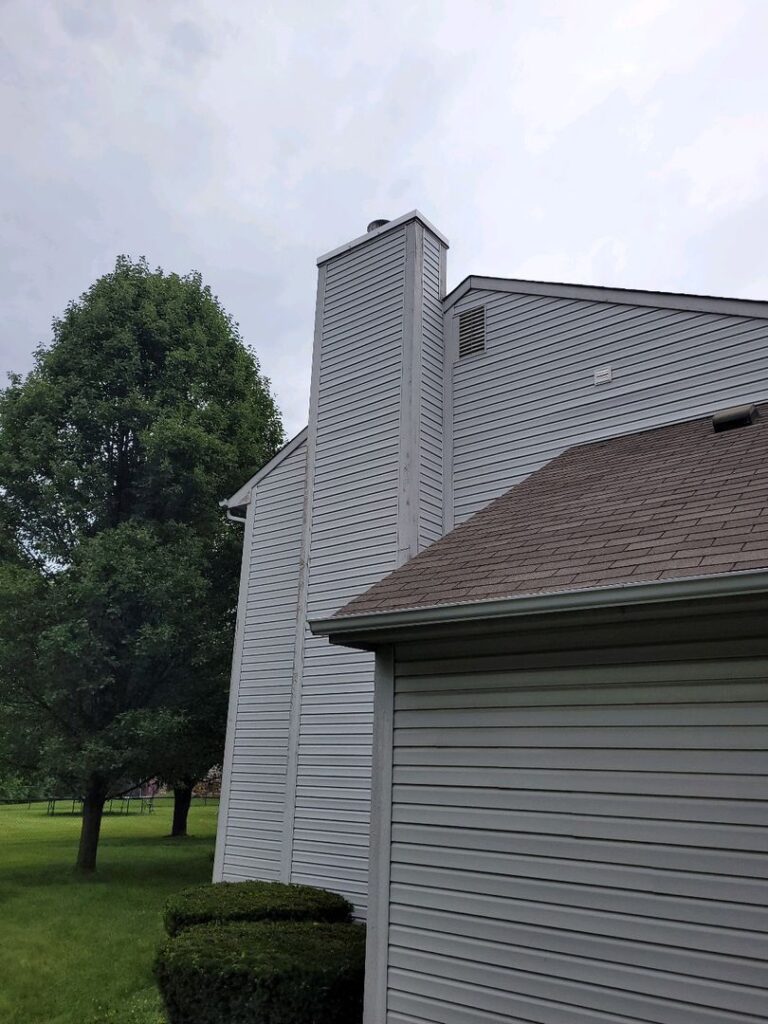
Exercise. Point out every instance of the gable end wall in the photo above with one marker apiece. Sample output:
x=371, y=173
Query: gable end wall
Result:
x=531, y=394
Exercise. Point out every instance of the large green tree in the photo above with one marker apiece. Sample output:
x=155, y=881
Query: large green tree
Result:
x=118, y=572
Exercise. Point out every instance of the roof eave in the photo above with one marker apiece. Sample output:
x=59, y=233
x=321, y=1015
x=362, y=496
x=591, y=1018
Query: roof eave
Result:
x=599, y=293
x=377, y=625
x=242, y=496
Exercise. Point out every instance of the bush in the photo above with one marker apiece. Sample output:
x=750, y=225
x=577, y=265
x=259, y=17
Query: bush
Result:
x=264, y=973
x=252, y=901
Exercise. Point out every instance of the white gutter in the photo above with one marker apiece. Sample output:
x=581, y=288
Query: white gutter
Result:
x=686, y=589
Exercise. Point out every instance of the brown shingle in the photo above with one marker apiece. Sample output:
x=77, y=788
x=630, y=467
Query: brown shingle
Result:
x=671, y=502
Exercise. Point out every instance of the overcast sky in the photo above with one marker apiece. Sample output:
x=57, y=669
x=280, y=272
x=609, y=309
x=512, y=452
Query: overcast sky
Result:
x=618, y=143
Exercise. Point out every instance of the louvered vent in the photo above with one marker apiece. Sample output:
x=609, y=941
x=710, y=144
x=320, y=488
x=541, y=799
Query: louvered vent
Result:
x=471, y=331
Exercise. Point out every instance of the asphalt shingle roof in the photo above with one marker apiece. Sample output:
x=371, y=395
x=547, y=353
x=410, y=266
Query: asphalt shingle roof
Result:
x=666, y=503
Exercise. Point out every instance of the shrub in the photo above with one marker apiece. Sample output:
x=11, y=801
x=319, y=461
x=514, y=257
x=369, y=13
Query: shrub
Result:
x=295, y=972
x=252, y=901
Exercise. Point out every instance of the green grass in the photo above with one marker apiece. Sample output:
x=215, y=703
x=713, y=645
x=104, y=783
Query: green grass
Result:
x=80, y=951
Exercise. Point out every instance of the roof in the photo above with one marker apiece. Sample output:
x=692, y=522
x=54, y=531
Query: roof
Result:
x=243, y=495
x=661, y=505
x=598, y=293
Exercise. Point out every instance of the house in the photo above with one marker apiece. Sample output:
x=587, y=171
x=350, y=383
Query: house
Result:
x=570, y=816
x=424, y=407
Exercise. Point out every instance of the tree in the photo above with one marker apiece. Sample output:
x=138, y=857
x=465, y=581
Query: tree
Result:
x=199, y=749
x=118, y=576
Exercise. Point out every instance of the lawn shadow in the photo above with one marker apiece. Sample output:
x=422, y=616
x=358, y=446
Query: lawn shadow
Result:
x=128, y=871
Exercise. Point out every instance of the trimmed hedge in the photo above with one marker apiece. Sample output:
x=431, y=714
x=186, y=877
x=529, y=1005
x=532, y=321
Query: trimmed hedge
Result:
x=252, y=901
x=264, y=973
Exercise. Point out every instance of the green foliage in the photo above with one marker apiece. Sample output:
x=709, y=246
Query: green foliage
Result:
x=85, y=654
x=253, y=901
x=264, y=973
x=147, y=406
x=118, y=571
x=15, y=788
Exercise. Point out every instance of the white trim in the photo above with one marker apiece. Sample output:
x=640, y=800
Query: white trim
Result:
x=381, y=840
x=620, y=296
x=234, y=694
x=374, y=624
x=389, y=226
x=243, y=496
x=286, y=858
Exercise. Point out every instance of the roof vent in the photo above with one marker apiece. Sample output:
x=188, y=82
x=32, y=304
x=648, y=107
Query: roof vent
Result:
x=472, y=331
x=376, y=224
x=737, y=416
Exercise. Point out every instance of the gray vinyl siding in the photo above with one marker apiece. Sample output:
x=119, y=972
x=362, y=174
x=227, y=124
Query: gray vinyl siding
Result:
x=531, y=394
x=581, y=834
x=257, y=775
x=431, y=398
x=353, y=543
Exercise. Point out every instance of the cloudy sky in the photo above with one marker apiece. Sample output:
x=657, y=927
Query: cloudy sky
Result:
x=622, y=142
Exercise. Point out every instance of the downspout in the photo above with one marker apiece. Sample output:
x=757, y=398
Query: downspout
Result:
x=230, y=514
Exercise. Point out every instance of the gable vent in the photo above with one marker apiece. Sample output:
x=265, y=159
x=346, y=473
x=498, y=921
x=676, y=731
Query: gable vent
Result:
x=472, y=331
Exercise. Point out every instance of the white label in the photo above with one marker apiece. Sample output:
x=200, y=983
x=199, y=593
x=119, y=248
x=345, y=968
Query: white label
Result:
x=603, y=375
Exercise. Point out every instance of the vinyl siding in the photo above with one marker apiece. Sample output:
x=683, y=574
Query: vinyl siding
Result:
x=531, y=394
x=431, y=398
x=257, y=776
x=581, y=833
x=353, y=542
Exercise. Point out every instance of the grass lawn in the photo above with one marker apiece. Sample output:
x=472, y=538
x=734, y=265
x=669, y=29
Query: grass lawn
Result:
x=80, y=951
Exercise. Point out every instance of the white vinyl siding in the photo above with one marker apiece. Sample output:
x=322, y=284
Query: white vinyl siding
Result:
x=375, y=430
x=431, y=398
x=253, y=823
x=353, y=544
x=580, y=835
x=531, y=394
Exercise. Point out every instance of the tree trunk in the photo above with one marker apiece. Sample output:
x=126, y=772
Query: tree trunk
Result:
x=182, y=798
x=93, y=809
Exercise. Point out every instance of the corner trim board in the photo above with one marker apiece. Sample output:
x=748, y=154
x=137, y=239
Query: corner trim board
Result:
x=450, y=355
x=377, y=946
x=408, y=442
x=286, y=859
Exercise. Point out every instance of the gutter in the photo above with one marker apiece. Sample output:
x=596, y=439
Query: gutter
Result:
x=686, y=589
